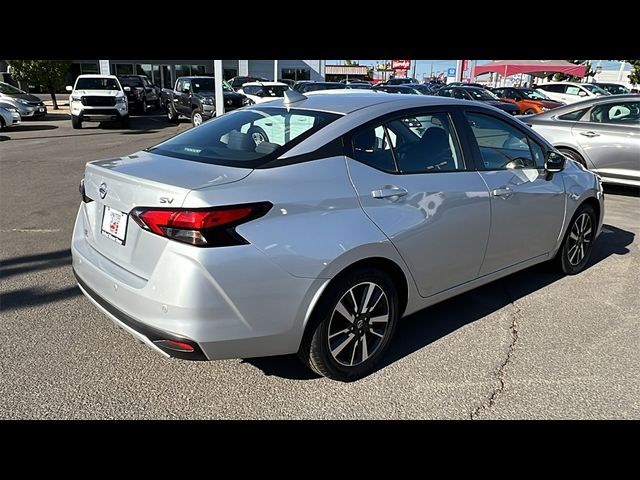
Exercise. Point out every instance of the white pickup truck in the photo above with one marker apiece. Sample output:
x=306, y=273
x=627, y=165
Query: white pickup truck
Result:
x=98, y=98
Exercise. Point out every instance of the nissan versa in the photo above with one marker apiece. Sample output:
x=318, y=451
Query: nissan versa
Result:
x=312, y=224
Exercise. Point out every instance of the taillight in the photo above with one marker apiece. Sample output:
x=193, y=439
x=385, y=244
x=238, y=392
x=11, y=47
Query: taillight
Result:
x=202, y=227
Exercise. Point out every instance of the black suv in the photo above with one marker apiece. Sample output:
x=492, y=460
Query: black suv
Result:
x=140, y=92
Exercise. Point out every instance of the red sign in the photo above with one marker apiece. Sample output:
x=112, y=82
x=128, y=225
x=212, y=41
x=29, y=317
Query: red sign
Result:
x=401, y=64
x=465, y=65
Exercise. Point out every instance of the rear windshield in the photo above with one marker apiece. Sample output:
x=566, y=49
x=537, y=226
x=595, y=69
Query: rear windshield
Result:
x=245, y=138
x=131, y=81
x=97, y=84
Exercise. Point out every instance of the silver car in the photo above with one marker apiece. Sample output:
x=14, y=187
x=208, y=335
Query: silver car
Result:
x=603, y=134
x=28, y=105
x=346, y=213
x=9, y=117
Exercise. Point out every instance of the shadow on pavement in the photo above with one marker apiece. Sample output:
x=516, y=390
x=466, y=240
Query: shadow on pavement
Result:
x=31, y=127
x=429, y=325
x=30, y=263
x=621, y=190
x=4, y=138
x=30, y=297
x=55, y=116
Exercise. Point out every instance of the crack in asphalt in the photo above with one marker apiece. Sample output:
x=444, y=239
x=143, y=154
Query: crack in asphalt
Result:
x=501, y=373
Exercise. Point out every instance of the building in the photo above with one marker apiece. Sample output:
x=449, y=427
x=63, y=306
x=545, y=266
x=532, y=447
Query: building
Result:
x=164, y=72
x=335, y=73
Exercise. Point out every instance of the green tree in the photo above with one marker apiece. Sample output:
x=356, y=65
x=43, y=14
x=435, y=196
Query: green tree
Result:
x=348, y=62
x=50, y=73
x=560, y=77
x=634, y=77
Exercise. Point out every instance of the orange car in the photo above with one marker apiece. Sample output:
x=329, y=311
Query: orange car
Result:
x=529, y=101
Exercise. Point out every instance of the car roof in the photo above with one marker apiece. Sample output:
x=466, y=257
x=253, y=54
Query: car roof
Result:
x=96, y=75
x=337, y=101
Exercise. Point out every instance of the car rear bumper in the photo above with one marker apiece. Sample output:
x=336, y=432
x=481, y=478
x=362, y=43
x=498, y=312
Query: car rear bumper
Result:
x=230, y=302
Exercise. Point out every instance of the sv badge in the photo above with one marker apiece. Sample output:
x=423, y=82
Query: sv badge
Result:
x=166, y=199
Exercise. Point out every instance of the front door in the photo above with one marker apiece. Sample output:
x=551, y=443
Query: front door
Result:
x=609, y=134
x=527, y=205
x=412, y=182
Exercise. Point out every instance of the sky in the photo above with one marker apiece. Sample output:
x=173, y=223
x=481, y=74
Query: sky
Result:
x=424, y=67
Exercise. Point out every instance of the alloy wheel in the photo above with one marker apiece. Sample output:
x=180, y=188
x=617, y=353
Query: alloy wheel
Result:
x=579, y=239
x=359, y=324
x=197, y=119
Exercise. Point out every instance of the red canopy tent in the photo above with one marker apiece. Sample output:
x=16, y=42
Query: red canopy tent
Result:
x=538, y=68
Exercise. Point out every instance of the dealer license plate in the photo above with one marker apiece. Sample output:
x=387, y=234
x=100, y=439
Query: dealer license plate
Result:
x=114, y=224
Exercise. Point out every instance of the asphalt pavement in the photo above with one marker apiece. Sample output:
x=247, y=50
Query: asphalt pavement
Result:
x=534, y=345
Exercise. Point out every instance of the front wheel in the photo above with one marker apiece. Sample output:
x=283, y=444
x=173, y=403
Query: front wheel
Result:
x=196, y=117
x=144, y=107
x=172, y=115
x=529, y=111
x=577, y=245
x=351, y=326
x=76, y=122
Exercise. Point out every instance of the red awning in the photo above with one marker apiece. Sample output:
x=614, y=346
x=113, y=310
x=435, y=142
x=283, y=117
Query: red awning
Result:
x=539, y=68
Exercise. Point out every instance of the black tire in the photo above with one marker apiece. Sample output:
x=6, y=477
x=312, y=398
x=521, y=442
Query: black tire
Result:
x=2, y=125
x=76, y=122
x=258, y=135
x=573, y=156
x=529, y=111
x=577, y=245
x=143, y=106
x=172, y=115
x=369, y=333
x=158, y=104
x=196, y=117
x=124, y=121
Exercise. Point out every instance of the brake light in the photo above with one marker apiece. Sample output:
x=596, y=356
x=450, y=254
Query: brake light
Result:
x=210, y=227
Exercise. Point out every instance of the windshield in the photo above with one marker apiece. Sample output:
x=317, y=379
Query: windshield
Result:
x=245, y=138
x=533, y=94
x=207, y=85
x=131, y=82
x=595, y=89
x=274, y=90
x=616, y=89
x=97, y=84
x=480, y=94
x=9, y=89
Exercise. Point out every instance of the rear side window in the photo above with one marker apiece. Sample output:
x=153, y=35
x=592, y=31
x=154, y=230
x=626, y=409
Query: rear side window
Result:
x=553, y=88
x=573, y=116
x=571, y=90
x=246, y=138
x=372, y=147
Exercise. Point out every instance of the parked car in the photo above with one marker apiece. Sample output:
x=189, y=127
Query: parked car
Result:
x=466, y=84
x=9, y=117
x=305, y=87
x=570, y=92
x=400, y=80
x=422, y=88
x=612, y=88
x=396, y=89
x=237, y=82
x=194, y=98
x=359, y=210
x=98, y=98
x=479, y=95
x=529, y=100
x=140, y=92
x=353, y=80
x=259, y=92
x=359, y=86
x=288, y=81
x=29, y=105
x=602, y=134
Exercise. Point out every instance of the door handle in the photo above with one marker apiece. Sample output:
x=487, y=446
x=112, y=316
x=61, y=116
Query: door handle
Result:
x=505, y=192
x=590, y=134
x=389, y=191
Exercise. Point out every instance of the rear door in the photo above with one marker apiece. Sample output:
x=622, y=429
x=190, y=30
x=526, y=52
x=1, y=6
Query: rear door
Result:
x=609, y=135
x=527, y=205
x=413, y=183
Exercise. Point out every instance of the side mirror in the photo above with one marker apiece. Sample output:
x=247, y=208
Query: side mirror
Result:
x=555, y=162
x=582, y=93
x=127, y=89
x=69, y=88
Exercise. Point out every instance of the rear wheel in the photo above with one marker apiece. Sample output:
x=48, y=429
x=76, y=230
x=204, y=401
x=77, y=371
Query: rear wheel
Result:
x=143, y=106
x=76, y=122
x=578, y=241
x=573, y=156
x=352, y=326
x=172, y=115
x=124, y=121
x=529, y=111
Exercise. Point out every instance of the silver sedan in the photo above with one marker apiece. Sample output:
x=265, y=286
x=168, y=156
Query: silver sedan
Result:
x=9, y=117
x=603, y=134
x=312, y=224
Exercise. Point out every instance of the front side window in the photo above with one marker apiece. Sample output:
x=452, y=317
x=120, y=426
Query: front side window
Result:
x=594, y=89
x=533, y=94
x=626, y=113
x=445, y=92
x=245, y=138
x=481, y=94
x=501, y=145
x=459, y=93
